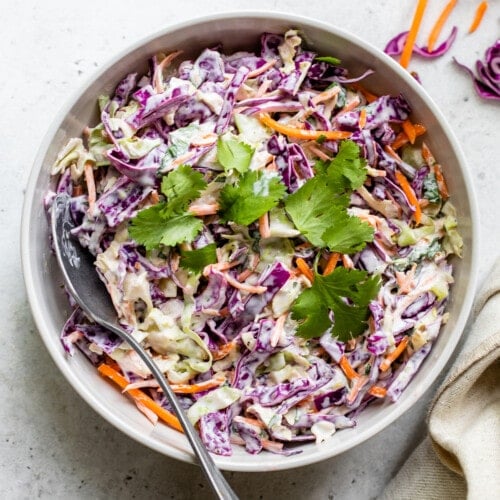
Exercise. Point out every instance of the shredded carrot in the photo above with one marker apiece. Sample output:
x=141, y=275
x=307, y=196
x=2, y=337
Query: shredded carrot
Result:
x=274, y=446
x=224, y=350
x=377, y=391
x=347, y=261
x=278, y=330
x=410, y=194
x=138, y=396
x=436, y=169
x=362, y=118
x=77, y=190
x=412, y=34
x=305, y=269
x=194, y=388
x=307, y=401
x=207, y=139
x=409, y=130
x=405, y=281
x=220, y=266
x=263, y=88
x=154, y=197
x=264, y=230
x=366, y=93
x=244, y=286
x=182, y=159
x=391, y=151
x=271, y=165
x=313, y=148
x=478, y=16
x=250, y=421
x=89, y=179
x=348, y=370
x=358, y=383
x=350, y=105
x=331, y=264
x=204, y=209
x=165, y=63
x=391, y=357
x=402, y=138
x=211, y=312
x=419, y=129
x=325, y=95
x=443, y=188
x=438, y=26
x=298, y=133
x=244, y=275
x=262, y=69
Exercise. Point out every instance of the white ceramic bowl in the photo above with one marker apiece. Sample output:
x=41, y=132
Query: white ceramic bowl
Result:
x=239, y=31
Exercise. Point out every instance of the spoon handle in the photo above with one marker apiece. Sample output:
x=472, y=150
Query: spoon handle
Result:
x=212, y=472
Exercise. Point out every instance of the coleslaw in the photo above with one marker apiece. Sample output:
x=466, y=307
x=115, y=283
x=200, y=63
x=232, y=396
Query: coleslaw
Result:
x=277, y=237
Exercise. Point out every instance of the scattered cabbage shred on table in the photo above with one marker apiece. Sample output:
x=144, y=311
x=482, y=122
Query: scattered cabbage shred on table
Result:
x=274, y=234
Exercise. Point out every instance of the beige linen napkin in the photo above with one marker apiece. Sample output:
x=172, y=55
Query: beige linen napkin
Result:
x=460, y=458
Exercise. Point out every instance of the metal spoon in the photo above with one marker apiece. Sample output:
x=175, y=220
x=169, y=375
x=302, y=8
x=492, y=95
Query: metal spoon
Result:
x=84, y=284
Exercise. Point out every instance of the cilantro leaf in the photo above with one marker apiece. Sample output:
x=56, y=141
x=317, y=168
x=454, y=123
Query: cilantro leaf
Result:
x=312, y=314
x=329, y=60
x=310, y=208
x=255, y=194
x=146, y=227
x=196, y=260
x=345, y=292
x=180, y=228
x=346, y=234
x=347, y=170
x=319, y=207
x=181, y=187
x=169, y=223
x=234, y=154
x=151, y=228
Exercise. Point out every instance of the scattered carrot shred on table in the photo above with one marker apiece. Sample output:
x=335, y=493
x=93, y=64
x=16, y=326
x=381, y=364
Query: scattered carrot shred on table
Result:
x=438, y=26
x=412, y=34
x=478, y=16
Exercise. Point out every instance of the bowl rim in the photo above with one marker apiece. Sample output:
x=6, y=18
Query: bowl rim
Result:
x=70, y=374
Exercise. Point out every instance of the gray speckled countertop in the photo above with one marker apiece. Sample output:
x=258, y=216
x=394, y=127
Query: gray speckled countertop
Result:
x=52, y=445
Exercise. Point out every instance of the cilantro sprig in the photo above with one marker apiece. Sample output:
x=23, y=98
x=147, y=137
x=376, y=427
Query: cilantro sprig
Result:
x=319, y=207
x=255, y=194
x=169, y=222
x=346, y=293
